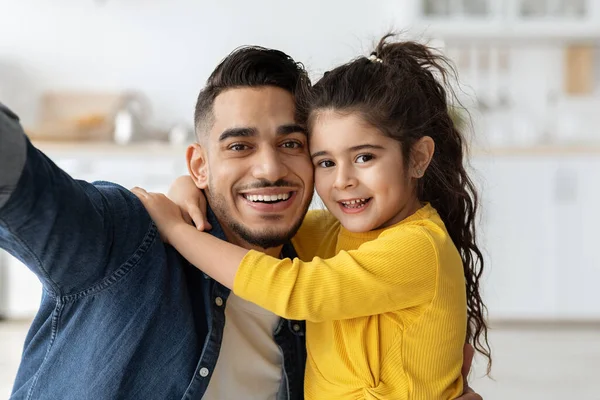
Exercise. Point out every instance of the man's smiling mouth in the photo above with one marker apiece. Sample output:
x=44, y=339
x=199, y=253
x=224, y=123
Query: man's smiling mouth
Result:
x=267, y=198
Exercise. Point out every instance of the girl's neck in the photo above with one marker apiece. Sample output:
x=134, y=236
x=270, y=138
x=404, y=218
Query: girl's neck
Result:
x=409, y=209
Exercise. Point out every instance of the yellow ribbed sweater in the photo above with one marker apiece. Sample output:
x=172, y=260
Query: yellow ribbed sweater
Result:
x=385, y=310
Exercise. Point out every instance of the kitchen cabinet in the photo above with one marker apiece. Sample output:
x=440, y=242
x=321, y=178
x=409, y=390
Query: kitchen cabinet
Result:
x=539, y=234
x=518, y=229
x=524, y=19
x=570, y=18
x=578, y=251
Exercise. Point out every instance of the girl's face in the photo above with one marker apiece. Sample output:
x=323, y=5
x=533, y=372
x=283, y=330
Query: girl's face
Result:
x=360, y=173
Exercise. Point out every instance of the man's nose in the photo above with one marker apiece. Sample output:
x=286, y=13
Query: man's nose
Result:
x=269, y=165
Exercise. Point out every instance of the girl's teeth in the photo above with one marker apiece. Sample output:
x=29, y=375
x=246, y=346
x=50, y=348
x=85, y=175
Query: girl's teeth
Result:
x=355, y=203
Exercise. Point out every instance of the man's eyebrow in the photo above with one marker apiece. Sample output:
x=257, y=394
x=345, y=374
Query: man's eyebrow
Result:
x=290, y=128
x=237, y=132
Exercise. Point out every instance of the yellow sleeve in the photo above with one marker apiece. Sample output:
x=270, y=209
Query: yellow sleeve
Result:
x=398, y=270
x=318, y=231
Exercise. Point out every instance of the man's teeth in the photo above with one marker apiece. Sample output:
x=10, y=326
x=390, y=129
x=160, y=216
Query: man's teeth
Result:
x=267, y=197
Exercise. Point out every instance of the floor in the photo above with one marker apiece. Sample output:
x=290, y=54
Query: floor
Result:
x=530, y=362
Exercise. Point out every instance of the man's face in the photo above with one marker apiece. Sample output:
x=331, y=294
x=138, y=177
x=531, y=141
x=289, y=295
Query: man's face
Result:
x=258, y=174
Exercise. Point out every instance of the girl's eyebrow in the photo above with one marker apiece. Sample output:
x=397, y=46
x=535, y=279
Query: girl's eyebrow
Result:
x=353, y=148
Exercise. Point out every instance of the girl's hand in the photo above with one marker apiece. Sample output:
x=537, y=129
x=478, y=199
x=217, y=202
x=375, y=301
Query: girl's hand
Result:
x=165, y=214
x=191, y=200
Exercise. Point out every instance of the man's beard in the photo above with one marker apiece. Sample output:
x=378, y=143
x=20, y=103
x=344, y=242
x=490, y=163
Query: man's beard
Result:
x=265, y=238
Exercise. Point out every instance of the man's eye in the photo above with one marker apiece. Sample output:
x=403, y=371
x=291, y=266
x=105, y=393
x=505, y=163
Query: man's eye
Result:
x=238, y=147
x=292, y=145
x=326, y=164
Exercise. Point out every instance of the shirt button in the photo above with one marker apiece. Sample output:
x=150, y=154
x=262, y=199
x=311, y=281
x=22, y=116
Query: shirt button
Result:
x=203, y=372
x=219, y=301
x=296, y=327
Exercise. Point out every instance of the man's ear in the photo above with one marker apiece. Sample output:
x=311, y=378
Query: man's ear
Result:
x=197, y=163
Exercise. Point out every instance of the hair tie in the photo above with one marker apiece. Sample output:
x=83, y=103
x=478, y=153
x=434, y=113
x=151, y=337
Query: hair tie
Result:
x=373, y=58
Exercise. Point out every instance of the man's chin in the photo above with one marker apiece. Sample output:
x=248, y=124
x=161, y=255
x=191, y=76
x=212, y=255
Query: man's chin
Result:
x=264, y=240
x=268, y=234
x=263, y=230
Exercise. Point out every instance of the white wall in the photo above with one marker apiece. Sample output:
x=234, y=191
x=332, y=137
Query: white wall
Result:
x=167, y=48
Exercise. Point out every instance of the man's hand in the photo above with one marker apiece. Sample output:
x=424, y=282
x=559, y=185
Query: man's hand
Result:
x=166, y=214
x=468, y=394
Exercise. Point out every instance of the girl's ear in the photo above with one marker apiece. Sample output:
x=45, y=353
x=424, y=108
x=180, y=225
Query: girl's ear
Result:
x=420, y=157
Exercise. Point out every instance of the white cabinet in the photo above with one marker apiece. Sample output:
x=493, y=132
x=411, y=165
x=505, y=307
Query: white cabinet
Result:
x=578, y=251
x=567, y=16
x=153, y=168
x=477, y=19
x=459, y=17
x=539, y=228
x=517, y=235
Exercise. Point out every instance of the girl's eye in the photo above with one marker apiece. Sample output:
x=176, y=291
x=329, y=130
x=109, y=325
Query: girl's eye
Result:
x=363, y=158
x=325, y=164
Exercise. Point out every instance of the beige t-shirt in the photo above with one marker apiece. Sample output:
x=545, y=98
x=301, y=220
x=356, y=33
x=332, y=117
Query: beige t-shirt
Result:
x=250, y=362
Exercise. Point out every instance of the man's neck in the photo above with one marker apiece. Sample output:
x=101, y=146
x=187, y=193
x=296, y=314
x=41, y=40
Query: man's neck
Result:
x=273, y=251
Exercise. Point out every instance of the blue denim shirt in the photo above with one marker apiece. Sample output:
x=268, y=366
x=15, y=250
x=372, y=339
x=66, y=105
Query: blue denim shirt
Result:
x=123, y=316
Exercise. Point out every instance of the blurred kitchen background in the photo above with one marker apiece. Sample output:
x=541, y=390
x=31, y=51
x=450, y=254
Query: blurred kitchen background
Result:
x=107, y=88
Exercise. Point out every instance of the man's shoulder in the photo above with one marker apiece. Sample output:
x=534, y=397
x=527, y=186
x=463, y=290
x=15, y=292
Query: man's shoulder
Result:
x=122, y=210
x=116, y=197
x=111, y=187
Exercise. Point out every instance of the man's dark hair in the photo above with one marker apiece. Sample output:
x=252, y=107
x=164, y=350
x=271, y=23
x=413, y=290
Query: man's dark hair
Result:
x=249, y=66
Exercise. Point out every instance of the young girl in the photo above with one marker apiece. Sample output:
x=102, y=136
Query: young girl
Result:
x=391, y=293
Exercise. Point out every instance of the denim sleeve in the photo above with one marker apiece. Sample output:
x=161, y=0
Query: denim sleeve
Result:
x=12, y=155
x=72, y=234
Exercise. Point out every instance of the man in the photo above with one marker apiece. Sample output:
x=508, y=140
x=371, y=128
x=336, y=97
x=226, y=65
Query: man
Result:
x=123, y=315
